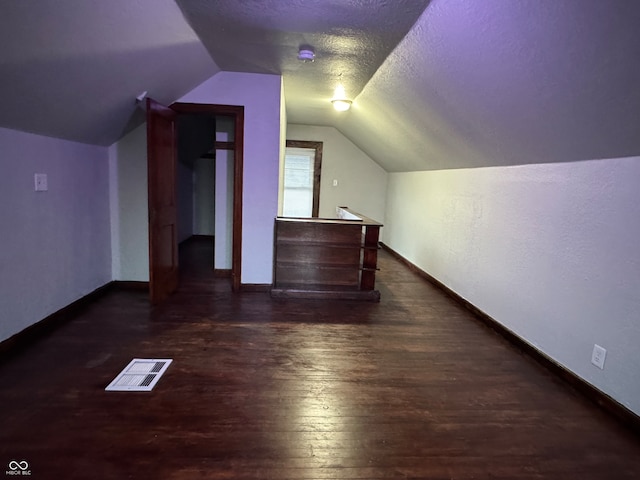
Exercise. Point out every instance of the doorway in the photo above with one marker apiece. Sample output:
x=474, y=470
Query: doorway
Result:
x=236, y=115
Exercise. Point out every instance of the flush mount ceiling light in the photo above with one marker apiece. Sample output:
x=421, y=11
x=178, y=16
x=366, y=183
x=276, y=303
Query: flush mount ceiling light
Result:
x=306, y=54
x=340, y=101
x=341, y=104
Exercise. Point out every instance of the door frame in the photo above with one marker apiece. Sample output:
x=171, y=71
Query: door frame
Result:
x=317, y=169
x=237, y=113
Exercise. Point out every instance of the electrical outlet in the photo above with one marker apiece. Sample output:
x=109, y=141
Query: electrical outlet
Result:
x=598, y=356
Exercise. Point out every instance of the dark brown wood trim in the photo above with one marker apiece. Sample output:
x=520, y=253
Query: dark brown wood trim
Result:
x=33, y=333
x=369, y=258
x=237, y=113
x=317, y=169
x=256, y=287
x=131, y=285
x=206, y=108
x=613, y=407
x=222, y=272
x=225, y=146
x=238, y=169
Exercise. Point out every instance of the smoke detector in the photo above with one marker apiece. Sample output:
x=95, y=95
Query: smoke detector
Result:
x=306, y=54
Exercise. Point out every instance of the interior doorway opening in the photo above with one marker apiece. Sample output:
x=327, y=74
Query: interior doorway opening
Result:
x=205, y=187
x=228, y=138
x=160, y=145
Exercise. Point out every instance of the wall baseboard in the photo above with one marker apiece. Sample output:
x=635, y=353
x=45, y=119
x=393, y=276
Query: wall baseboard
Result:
x=222, y=272
x=32, y=333
x=597, y=396
x=131, y=285
x=256, y=287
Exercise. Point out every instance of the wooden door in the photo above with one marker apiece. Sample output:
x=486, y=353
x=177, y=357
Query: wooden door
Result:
x=161, y=165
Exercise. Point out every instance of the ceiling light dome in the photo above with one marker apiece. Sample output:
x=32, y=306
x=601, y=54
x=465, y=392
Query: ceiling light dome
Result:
x=340, y=101
x=341, y=104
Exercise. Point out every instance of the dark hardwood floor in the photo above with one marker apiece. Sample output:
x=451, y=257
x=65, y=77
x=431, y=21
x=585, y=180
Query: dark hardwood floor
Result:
x=412, y=387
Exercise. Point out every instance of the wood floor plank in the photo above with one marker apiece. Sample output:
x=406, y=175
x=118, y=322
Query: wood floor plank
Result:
x=261, y=388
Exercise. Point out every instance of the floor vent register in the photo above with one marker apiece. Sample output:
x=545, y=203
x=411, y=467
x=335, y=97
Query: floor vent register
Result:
x=141, y=375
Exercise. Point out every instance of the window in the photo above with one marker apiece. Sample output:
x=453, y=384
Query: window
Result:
x=301, y=190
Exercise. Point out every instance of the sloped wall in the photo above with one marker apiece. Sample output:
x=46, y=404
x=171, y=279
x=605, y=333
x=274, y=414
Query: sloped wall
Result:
x=55, y=245
x=499, y=82
x=548, y=250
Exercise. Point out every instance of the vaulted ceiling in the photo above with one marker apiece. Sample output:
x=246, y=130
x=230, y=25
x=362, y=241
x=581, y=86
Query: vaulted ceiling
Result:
x=436, y=84
x=350, y=39
x=73, y=68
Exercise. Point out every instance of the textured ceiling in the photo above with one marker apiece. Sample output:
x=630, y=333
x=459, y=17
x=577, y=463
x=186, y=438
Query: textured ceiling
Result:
x=498, y=82
x=439, y=84
x=72, y=68
x=351, y=39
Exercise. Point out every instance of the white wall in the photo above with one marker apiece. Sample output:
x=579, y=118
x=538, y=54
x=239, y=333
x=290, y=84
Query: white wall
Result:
x=260, y=95
x=55, y=246
x=223, y=249
x=549, y=250
x=362, y=183
x=185, y=201
x=224, y=210
x=204, y=197
x=130, y=207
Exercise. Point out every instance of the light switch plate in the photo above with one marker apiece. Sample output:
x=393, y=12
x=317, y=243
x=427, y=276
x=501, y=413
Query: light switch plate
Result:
x=41, y=182
x=598, y=356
